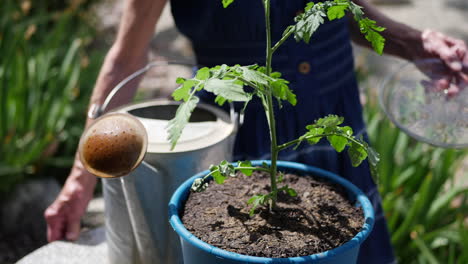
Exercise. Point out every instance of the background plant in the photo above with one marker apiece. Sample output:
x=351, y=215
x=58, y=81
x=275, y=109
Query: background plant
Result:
x=45, y=78
x=422, y=189
x=227, y=83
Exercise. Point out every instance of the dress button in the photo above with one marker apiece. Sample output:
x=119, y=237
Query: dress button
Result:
x=304, y=67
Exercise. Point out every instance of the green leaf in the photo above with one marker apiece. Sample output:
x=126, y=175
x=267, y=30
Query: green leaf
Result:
x=218, y=177
x=247, y=172
x=330, y=121
x=220, y=100
x=255, y=201
x=308, y=23
x=228, y=89
x=338, y=142
x=227, y=169
x=280, y=177
x=203, y=74
x=275, y=75
x=337, y=11
x=309, y=6
x=369, y=28
x=357, y=154
x=373, y=156
x=226, y=3
x=281, y=91
x=219, y=71
x=183, y=92
x=199, y=185
x=291, y=97
x=312, y=136
x=291, y=192
x=356, y=10
x=177, y=124
x=254, y=76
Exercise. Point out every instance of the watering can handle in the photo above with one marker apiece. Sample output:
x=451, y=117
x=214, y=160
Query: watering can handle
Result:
x=97, y=110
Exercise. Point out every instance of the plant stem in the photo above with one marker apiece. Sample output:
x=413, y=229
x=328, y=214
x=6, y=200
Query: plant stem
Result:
x=299, y=140
x=270, y=110
x=282, y=40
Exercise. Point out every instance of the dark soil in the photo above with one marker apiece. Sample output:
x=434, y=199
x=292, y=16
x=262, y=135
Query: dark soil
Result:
x=319, y=218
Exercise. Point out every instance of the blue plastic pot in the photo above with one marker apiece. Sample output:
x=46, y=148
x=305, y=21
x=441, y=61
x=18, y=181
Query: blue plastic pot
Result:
x=196, y=251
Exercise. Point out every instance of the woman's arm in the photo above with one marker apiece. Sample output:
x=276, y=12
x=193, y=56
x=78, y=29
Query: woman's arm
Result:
x=127, y=54
x=412, y=44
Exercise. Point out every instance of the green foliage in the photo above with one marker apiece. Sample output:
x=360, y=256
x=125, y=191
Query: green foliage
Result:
x=315, y=13
x=267, y=199
x=227, y=83
x=226, y=3
x=225, y=169
x=339, y=138
x=425, y=207
x=44, y=74
x=176, y=125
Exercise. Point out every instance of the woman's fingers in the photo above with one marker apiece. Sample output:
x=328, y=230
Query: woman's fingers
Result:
x=450, y=50
x=55, y=220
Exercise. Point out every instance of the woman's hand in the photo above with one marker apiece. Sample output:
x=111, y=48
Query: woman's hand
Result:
x=64, y=214
x=454, y=53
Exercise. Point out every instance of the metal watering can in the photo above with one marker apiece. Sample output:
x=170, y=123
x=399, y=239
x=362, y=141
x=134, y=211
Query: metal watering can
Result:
x=136, y=212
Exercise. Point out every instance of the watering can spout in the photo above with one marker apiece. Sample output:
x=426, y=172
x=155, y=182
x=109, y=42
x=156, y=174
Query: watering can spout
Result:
x=114, y=145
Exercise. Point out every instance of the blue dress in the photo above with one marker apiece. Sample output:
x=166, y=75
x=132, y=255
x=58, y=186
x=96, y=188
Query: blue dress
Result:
x=321, y=74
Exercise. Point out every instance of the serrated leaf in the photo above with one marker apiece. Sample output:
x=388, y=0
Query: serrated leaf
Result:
x=183, y=92
x=291, y=192
x=337, y=11
x=226, y=3
x=280, y=177
x=312, y=135
x=281, y=91
x=308, y=23
x=247, y=172
x=203, y=74
x=218, y=177
x=228, y=89
x=176, y=125
x=356, y=10
x=346, y=130
x=309, y=6
x=219, y=71
x=330, y=121
x=220, y=100
x=275, y=75
x=357, y=154
x=376, y=40
x=254, y=76
x=373, y=156
x=227, y=169
x=199, y=185
x=255, y=201
x=338, y=142
x=180, y=80
x=291, y=97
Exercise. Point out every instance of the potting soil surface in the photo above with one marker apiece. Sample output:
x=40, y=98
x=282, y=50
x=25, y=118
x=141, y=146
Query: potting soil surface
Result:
x=319, y=218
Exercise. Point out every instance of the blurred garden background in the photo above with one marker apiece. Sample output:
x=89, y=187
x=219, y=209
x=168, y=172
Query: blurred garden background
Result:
x=50, y=55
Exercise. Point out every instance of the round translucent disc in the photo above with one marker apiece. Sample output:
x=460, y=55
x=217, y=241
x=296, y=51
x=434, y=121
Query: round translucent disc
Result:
x=428, y=102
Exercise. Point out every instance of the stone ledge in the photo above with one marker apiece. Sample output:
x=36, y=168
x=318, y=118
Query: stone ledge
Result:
x=90, y=248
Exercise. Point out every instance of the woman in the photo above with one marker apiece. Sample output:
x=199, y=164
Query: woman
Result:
x=321, y=75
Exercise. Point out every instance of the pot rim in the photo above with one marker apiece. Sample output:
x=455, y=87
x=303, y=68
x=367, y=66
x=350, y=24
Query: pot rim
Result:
x=181, y=194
